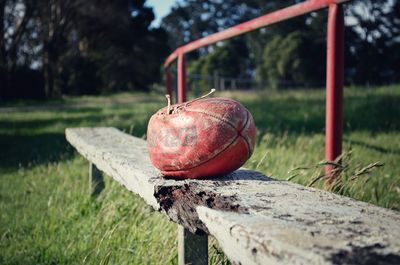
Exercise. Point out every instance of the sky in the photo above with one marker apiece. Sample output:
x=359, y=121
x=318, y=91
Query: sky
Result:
x=160, y=9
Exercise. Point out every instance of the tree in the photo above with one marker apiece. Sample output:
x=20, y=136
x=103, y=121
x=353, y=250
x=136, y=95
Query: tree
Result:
x=292, y=60
x=80, y=46
x=55, y=18
x=373, y=41
x=229, y=59
x=128, y=53
x=292, y=53
x=190, y=20
x=14, y=16
x=17, y=18
x=223, y=60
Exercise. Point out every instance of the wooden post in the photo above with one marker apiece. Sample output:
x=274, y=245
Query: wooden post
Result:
x=96, y=182
x=233, y=84
x=222, y=84
x=192, y=249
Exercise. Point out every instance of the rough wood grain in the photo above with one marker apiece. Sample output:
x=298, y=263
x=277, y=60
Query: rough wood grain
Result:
x=120, y=156
x=256, y=219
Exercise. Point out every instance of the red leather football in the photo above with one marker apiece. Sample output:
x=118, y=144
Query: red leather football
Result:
x=201, y=138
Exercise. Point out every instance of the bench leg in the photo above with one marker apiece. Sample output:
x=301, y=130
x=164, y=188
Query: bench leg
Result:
x=96, y=182
x=192, y=249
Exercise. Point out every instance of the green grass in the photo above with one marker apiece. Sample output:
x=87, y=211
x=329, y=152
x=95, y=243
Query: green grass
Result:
x=46, y=216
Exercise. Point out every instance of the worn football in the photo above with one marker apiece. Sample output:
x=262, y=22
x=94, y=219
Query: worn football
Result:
x=205, y=137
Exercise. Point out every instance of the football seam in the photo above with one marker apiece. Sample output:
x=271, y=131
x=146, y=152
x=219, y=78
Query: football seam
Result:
x=244, y=138
x=223, y=150
x=214, y=116
x=233, y=141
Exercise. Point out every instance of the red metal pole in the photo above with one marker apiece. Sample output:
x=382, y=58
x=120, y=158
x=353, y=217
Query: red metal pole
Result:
x=181, y=78
x=168, y=82
x=262, y=21
x=334, y=85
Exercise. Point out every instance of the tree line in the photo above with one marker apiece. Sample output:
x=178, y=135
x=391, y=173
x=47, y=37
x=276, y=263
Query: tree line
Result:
x=54, y=47
x=293, y=51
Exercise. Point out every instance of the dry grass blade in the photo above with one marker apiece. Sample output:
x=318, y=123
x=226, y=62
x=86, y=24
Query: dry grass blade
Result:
x=292, y=176
x=106, y=259
x=315, y=179
x=330, y=163
x=262, y=159
x=368, y=168
x=298, y=168
x=296, y=174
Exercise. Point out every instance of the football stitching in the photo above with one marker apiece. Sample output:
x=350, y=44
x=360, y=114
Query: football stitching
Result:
x=223, y=150
x=214, y=116
x=217, y=118
x=234, y=140
x=244, y=138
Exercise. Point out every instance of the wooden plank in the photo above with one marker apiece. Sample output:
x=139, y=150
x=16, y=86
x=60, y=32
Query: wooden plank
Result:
x=120, y=156
x=96, y=181
x=192, y=248
x=272, y=239
x=256, y=219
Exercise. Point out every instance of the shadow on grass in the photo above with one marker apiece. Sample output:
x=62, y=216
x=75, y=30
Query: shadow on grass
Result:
x=100, y=120
x=28, y=145
x=372, y=147
x=305, y=116
x=25, y=150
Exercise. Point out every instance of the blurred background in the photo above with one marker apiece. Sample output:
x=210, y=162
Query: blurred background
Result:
x=50, y=48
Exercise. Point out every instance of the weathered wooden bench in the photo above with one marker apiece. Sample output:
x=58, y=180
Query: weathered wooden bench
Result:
x=255, y=219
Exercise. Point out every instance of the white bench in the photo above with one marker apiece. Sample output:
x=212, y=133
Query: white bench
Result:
x=255, y=219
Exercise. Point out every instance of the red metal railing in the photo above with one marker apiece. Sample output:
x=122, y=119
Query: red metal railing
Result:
x=334, y=68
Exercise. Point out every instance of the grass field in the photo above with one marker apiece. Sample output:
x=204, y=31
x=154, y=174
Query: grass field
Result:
x=46, y=216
